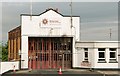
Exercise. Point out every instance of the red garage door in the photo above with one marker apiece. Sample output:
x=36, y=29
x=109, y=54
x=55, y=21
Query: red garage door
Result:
x=50, y=52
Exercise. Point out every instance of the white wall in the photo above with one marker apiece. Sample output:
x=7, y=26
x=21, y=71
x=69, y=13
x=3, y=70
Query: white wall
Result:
x=105, y=45
x=35, y=27
x=6, y=66
x=91, y=56
x=93, y=53
x=104, y=65
x=24, y=52
x=80, y=56
x=119, y=58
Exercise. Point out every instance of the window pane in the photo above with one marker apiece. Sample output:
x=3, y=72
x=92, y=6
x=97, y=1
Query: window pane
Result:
x=112, y=60
x=86, y=49
x=101, y=59
x=40, y=45
x=41, y=57
x=112, y=49
x=65, y=57
x=45, y=45
x=86, y=54
x=69, y=46
x=112, y=54
x=55, y=46
x=51, y=45
x=101, y=55
x=86, y=59
x=101, y=49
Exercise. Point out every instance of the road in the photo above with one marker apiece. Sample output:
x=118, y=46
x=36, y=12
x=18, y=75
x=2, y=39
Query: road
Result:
x=71, y=72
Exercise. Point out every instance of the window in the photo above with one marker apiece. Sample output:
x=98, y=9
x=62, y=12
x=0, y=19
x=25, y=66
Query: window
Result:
x=46, y=57
x=55, y=45
x=68, y=57
x=40, y=46
x=86, y=54
x=45, y=45
x=101, y=54
x=51, y=45
x=29, y=46
x=112, y=54
x=69, y=46
x=41, y=57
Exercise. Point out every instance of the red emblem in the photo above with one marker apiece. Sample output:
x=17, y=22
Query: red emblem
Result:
x=45, y=21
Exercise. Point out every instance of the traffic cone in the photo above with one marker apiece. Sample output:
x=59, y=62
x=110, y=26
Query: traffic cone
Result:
x=14, y=68
x=60, y=71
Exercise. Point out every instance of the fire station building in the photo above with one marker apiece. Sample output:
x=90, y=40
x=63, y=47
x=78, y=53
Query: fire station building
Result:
x=51, y=40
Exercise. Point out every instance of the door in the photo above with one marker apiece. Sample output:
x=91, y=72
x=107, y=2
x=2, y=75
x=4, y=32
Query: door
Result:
x=49, y=52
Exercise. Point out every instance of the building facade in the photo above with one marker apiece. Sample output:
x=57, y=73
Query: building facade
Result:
x=98, y=54
x=14, y=43
x=51, y=40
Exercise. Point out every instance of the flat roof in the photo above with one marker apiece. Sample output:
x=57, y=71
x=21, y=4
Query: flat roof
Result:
x=97, y=41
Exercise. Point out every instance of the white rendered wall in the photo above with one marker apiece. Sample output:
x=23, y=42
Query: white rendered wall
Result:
x=93, y=53
x=119, y=58
x=104, y=65
x=106, y=45
x=91, y=56
x=80, y=57
x=74, y=53
x=24, y=52
x=6, y=66
x=36, y=28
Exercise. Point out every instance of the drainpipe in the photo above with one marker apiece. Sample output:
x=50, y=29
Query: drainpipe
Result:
x=20, y=59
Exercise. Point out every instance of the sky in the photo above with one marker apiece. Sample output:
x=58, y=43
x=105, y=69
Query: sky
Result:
x=97, y=18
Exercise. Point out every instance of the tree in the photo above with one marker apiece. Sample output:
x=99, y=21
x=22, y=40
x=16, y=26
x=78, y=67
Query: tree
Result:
x=5, y=52
x=0, y=51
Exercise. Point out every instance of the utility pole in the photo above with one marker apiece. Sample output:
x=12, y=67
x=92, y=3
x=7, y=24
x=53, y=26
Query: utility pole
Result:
x=30, y=9
x=71, y=16
x=110, y=34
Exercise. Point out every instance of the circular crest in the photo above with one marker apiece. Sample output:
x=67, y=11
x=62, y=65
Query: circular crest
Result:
x=45, y=21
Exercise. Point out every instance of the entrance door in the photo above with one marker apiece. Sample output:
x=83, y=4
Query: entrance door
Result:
x=61, y=50
x=51, y=52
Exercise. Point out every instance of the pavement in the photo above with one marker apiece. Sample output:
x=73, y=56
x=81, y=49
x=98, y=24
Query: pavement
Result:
x=109, y=72
x=69, y=72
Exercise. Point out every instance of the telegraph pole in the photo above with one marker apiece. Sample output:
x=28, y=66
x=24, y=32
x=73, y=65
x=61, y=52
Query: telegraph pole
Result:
x=71, y=16
x=30, y=9
x=71, y=13
x=110, y=34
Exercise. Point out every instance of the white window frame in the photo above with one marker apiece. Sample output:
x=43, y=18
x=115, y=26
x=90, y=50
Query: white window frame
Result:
x=102, y=60
x=113, y=51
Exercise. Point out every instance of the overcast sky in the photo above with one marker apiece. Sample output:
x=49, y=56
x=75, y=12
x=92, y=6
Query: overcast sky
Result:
x=97, y=18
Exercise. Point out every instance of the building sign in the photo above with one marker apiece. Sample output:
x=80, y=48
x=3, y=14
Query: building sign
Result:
x=84, y=63
x=50, y=21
